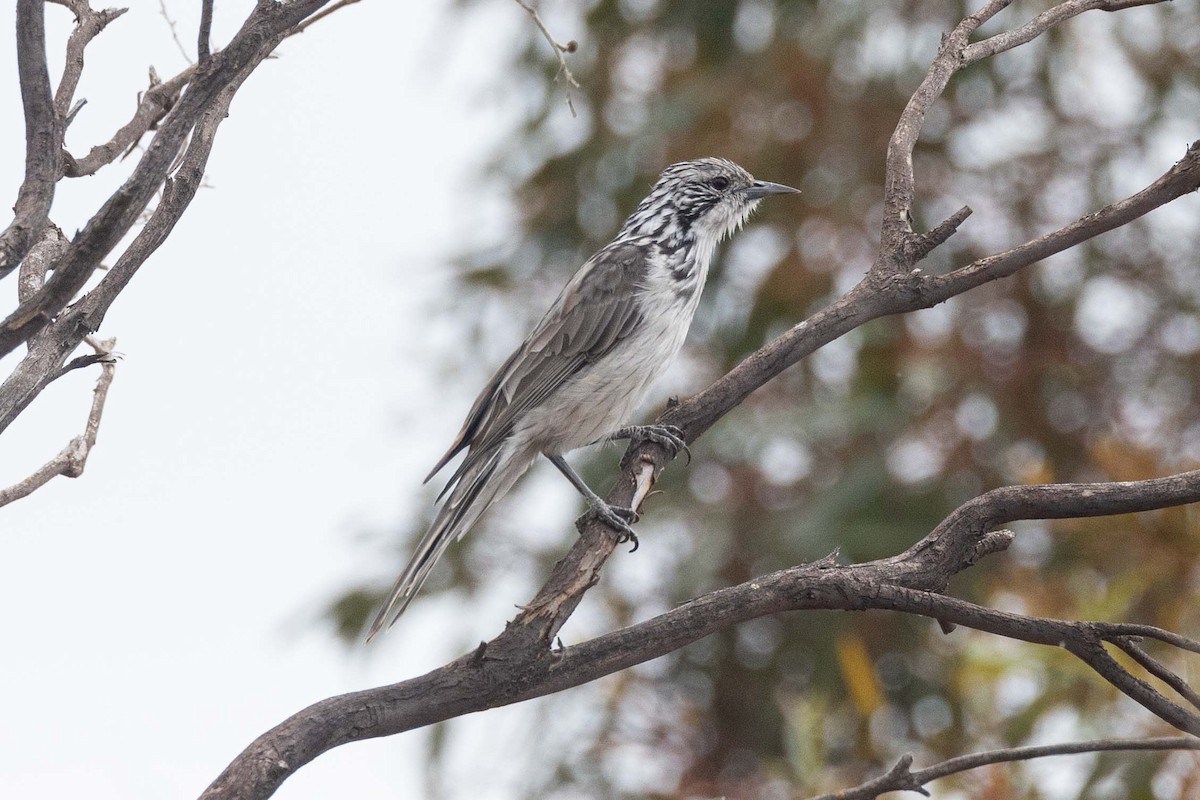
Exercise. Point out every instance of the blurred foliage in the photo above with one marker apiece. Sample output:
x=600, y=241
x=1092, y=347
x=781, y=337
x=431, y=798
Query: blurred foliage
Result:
x=1084, y=367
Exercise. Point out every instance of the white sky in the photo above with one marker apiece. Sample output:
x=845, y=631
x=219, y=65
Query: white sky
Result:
x=158, y=611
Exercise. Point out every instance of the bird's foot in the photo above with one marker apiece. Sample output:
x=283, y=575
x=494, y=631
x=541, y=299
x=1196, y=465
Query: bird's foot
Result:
x=615, y=517
x=667, y=437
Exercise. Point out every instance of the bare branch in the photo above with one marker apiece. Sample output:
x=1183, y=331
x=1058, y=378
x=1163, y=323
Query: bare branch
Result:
x=519, y=664
x=162, y=9
x=560, y=50
x=203, y=46
x=898, y=252
x=901, y=185
x=900, y=778
x=262, y=31
x=156, y=102
x=1040, y=24
x=1158, y=669
x=177, y=195
x=1182, y=178
x=32, y=275
x=88, y=25
x=73, y=458
x=303, y=26
x=43, y=138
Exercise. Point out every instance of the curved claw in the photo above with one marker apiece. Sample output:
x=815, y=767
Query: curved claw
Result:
x=668, y=437
x=615, y=517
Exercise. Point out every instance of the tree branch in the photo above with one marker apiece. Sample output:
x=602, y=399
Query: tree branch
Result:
x=560, y=50
x=88, y=25
x=73, y=458
x=155, y=103
x=43, y=138
x=519, y=664
x=263, y=29
x=1182, y=178
x=1040, y=24
x=320, y=15
x=900, y=778
x=203, y=47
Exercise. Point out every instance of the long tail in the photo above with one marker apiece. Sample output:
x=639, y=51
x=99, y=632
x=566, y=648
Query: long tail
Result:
x=478, y=487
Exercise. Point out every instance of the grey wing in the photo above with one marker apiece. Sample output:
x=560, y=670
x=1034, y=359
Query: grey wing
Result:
x=595, y=311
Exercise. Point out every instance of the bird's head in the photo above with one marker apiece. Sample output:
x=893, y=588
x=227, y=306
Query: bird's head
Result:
x=705, y=199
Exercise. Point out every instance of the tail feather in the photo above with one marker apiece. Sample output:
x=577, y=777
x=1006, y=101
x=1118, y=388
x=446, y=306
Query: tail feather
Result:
x=477, y=489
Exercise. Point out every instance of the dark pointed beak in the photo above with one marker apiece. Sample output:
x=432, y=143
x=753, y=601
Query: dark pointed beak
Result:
x=760, y=189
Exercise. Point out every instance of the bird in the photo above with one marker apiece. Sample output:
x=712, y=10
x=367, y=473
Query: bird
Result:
x=588, y=364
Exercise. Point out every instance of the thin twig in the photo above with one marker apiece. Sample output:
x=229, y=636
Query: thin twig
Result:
x=156, y=101
x=183, y=51
x=73, y=458
x=1182, y=178
x=900, y=778
x=560, y=50
x=320, y=15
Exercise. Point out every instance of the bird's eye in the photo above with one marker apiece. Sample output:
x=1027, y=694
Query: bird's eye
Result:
x=720, y=183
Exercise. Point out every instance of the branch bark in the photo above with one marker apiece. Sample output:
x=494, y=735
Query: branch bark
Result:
x=43, y=135
x=519, y=664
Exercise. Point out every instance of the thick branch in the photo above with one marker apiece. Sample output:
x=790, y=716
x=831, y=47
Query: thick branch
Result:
x=177, y=195
x=43, y=138
x=519, y=665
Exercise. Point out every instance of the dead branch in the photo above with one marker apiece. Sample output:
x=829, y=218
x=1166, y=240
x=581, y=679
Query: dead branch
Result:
x=72, y=459
x=42, y=136
x=88, y=25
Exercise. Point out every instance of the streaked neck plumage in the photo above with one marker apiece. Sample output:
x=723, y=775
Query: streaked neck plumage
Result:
x=680, y=239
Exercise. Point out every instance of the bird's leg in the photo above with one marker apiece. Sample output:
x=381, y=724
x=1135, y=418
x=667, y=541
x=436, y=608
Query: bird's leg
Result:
x=668, y=437
x=615, y=517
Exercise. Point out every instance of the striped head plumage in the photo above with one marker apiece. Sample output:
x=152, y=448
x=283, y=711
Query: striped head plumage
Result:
x=697, y=204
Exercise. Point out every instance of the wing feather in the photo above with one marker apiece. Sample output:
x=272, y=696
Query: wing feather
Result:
x=597, y=310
